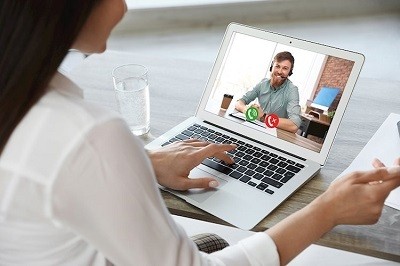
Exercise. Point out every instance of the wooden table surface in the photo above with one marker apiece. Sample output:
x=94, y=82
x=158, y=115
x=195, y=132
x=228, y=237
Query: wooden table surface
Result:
x=176, y=87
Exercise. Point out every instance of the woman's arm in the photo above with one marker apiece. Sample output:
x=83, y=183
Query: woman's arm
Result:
x=354, y=199
x=357, y=198
x=106, y=193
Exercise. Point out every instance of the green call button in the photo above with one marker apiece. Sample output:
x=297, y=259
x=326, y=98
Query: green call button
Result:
x=251, y=114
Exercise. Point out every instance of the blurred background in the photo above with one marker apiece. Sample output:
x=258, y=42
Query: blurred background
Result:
x=193, y=29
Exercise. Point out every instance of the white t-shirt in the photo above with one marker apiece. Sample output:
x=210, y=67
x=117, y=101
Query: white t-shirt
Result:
x=76, y=187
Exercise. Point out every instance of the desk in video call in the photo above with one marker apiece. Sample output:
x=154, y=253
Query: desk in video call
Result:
x=176, y=87
x=282, y=134
x=313, y=126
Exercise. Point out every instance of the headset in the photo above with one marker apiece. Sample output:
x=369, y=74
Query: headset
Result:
x=290, y=72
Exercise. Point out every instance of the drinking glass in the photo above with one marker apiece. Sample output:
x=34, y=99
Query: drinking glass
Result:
x=131, y=87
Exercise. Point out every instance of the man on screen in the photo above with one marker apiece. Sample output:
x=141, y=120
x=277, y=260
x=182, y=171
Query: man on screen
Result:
x=277, y=95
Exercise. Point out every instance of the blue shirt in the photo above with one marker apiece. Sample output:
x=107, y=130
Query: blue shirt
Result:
x=282, y=101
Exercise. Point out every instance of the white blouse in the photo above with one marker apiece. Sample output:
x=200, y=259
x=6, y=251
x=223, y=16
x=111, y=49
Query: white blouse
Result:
x=76, y=187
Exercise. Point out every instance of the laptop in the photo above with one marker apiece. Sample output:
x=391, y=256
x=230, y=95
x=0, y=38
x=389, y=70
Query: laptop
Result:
x=270, y=163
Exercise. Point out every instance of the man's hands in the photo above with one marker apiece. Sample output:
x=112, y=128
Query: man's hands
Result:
x=259, y=109
x=241, y=106
x=358, y=197
x=172, y=163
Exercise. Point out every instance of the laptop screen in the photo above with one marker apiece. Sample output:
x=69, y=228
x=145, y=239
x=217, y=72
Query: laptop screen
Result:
x=279, y=89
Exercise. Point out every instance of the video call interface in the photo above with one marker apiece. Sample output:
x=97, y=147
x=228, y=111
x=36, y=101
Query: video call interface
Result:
x=248, y=65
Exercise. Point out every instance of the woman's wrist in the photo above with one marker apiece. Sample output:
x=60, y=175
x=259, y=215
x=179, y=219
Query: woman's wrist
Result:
x=155, y=159
x=322, y=209
x=308, y=225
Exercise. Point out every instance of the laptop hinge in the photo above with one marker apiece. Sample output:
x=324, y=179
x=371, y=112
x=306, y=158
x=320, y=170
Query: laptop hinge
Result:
x=259, y=142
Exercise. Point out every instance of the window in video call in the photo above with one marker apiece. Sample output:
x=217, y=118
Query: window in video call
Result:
x=248, y=73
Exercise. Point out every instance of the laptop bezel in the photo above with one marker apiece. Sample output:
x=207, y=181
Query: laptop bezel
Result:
x=319, y=157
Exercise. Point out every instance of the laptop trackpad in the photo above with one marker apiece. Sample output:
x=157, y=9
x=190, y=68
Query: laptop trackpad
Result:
x=201, y=194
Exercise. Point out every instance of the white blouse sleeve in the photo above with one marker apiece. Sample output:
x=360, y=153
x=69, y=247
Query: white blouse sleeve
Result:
x=106, y=193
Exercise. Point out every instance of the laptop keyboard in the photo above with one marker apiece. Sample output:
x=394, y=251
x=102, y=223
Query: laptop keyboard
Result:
x=254, y=166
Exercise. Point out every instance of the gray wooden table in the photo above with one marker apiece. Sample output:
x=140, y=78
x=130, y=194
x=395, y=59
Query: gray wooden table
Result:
x=176, y=87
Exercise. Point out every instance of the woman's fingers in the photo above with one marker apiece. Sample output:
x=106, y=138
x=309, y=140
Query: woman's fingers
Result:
x=377, y=163
x=195, y=143
x=219, y=151
x=390, y=177
x=202, y=149
x=225, y=157
x=392, y=180
x=391, y=173
x=199, y=182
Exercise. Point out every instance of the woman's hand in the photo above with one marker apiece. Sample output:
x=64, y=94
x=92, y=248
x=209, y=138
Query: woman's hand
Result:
x=172, y=163
x=358, y=197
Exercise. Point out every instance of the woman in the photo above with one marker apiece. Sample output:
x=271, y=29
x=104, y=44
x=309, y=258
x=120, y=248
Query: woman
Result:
x=77, y=188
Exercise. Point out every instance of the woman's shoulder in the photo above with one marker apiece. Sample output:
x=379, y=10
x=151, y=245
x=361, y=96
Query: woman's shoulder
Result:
x=54, y=125
x=64, y=100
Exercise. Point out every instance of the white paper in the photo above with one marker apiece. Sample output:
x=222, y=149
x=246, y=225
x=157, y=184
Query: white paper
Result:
x=384, y=145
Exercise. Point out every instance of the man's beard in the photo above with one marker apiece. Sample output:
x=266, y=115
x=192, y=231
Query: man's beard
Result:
x=277, y=81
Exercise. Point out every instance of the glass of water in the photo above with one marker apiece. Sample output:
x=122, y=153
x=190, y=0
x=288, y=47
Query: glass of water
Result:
x=131, y=87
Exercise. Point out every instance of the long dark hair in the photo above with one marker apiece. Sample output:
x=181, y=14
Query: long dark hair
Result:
x=35, y=36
